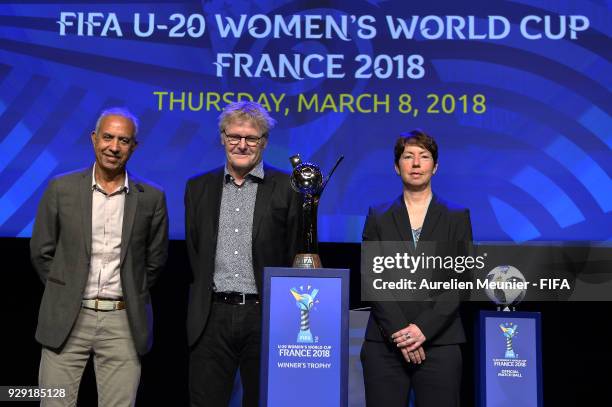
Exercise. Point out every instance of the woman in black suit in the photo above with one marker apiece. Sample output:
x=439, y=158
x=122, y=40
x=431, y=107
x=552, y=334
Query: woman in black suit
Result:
x=415, y=345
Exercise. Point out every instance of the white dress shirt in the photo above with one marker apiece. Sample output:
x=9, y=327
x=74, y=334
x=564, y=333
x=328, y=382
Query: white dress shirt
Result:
x=104, y=279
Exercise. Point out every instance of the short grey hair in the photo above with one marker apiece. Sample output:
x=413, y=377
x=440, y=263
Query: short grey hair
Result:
x=118, y=111
x=247, y=111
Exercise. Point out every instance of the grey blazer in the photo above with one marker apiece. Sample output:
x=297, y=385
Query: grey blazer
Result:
x=60, y=251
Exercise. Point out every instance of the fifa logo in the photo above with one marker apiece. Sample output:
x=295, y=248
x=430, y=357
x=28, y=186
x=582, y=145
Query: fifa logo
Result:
x=509, y=330
x=305, y=300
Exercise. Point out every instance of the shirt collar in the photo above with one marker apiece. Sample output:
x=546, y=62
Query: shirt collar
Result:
x=94, y=184
x=256, y=174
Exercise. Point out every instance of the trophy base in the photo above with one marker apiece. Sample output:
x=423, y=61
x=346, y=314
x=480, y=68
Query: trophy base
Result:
x=307, y=261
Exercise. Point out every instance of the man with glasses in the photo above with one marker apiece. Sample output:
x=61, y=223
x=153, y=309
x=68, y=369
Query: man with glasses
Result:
x=240, y=218
x=99, y=243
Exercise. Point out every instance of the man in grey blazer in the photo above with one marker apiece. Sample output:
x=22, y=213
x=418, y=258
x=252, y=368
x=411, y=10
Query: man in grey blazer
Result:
x=99, y=242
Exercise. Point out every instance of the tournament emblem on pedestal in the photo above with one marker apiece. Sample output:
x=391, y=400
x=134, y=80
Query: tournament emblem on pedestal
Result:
x=509, y=330
x=304, y=300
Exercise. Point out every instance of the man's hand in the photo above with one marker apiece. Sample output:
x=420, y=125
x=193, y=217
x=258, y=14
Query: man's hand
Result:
x=410, y=338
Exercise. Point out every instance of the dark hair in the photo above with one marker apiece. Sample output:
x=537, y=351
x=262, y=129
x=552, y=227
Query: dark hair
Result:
x=419, y=138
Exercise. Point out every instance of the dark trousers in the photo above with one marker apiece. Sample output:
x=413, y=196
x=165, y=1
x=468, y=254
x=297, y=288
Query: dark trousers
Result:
x=388, y=378
x=231, y=340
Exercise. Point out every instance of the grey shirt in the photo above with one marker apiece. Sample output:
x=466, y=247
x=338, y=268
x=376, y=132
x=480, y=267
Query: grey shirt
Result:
x=234, y=255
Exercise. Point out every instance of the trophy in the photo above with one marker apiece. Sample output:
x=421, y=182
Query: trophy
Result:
x=307, y=180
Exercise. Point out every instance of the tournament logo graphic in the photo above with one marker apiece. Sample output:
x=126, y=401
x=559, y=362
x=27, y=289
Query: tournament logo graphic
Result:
x=305, y=300
x=509, y=330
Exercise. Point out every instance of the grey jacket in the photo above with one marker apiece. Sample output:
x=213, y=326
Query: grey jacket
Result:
x=60, y=251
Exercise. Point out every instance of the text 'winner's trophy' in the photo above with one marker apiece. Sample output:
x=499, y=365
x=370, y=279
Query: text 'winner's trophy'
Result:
x=307, y=180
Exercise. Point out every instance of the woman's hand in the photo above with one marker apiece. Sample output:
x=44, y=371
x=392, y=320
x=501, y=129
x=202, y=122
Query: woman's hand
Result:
x=410, y=338
x=417, y=357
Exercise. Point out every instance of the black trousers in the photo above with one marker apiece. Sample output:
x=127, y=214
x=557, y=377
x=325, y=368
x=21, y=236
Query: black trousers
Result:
x=388, y=378
x=231, y=340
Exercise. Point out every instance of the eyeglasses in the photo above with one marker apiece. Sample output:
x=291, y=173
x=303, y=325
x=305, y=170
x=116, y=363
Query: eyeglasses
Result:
x=234, y=139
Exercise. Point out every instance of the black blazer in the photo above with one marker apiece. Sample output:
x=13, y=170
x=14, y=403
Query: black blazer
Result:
x=438, y=320
x=276, y=225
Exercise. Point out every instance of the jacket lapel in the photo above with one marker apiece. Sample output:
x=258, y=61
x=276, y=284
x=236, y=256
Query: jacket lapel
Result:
x=211, y=204
x=431, y=220
x=401, y=219
x=129, y=214
x=264, y=193
x=85, y=199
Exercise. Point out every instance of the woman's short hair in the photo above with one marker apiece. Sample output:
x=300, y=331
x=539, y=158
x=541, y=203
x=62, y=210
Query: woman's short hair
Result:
x=419, y=138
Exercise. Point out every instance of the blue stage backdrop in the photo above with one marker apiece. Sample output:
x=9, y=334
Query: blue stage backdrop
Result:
x=516, y=92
